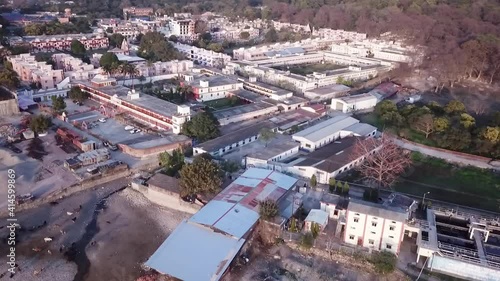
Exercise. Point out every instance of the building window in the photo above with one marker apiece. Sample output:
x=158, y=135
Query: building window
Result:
x=374, y=223
x=373, y=232
x=391, y=227
x=371, y=242
x=388, y=246
x=392, y=237
x=351, y=237
x=356, y=219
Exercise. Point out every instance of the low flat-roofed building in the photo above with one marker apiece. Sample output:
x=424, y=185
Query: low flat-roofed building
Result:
x=354, y=103
x=203, y=247
x=258, y=154
x=324, y=132
x=328, y=161
x=244, y=112
x=316, y=216
x=226, y=143
x=327, y=92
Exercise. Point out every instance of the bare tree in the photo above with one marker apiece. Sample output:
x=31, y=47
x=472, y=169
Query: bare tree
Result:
x=424, y=124
x=383, y=160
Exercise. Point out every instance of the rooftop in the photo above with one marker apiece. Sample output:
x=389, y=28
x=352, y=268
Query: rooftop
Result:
x=377, y=210
x=326, y=128
x=165, y=182
x=154, y=104
x=336, y=88
x=213, y=81
x=318, y=216
x=247, y=95
x=242, y=109
x=361, y=129
x=195, y=253
x=331, y=157
x=235, y=136
x=235, y=209
x=279, y=144
x=357, y=98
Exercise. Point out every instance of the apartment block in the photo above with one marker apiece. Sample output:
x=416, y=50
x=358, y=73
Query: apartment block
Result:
x=162, y=68
x=136, y=11
x=32, y=71
x=202, y=56
x=52, y=43
x=182, y=27
x=374, y=226
x=74, y=68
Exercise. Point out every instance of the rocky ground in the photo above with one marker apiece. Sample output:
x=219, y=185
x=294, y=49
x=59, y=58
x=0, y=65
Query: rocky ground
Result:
x=87, y=245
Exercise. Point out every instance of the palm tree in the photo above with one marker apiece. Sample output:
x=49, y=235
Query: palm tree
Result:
x=129, y=70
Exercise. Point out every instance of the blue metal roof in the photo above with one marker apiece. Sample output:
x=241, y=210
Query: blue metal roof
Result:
x=195, y=253
x=318, y=216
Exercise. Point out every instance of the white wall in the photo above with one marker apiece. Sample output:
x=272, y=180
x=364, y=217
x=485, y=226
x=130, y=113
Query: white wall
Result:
x=355, y=226
x=330, y=209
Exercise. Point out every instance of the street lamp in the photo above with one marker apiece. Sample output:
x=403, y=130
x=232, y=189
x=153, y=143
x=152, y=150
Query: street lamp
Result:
x=423, y=197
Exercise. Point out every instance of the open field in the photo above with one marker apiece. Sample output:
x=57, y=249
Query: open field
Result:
x=305, y=69
x=98, y=234
x=468, y=186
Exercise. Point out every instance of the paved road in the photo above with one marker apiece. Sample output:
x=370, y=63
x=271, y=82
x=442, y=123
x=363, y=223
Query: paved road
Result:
x=446, y=156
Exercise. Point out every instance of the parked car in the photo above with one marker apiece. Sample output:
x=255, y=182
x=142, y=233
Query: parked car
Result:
x=106, y=143
x=134, y=131
x=102, y=120
x=128, y=128
x=113, y=147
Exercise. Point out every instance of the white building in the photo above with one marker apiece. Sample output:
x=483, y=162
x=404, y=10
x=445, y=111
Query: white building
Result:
x=327, y=92
x=161, y=68
x=74, y=68
x=325, y=132
x=214, y=87
x=328, y=161
x=202, y=56
x=346, y=104
x=374, y=226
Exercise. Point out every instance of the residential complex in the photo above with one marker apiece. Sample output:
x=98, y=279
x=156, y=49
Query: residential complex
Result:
x=32, y=71
x=53, y=43
x=136, y=11
x=213, y=87
x=202, y=56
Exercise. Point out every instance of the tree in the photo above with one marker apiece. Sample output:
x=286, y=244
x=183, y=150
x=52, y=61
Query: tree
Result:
x=339, y=188
x=202, y=177
x=116, y=40
x=268, y=209
x=467, y=121
x=76, y=94
x=385, y=164
x=203, y=126
x=109, y=29
x=129, y=70
x=40, y=123
x=392, y=118
x=155, y=47
x=9, y=79
x=200, y=26
x=244, y=35
x=266, y=134
x=307, y=240
x=384, y=262
x=331, y=185
x=313, y=181
x=58, y=104
x=454, y=139
x=108, y=59
x=293, y=225
x=315, y=230
x=345, y=188
x=172, y=162
x=441, y=124
x=491, y=134
x=424, y=124
x=173, y=38
x=454, y=106
x=385, y=107
x=77, y=48
x=271, y=36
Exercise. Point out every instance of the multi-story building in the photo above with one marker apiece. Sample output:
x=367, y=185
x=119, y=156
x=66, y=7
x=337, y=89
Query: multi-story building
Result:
x=145, y=108
x=378, y=49
x=162, y=68
x=202, y=56
x=375, y=226
x=52, y=43
x=214, y=87
x=182, y=27
x=74, y=68
x=32, y=71
x=135, y=11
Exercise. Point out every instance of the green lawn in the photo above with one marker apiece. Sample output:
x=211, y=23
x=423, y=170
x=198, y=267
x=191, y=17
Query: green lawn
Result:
x=306, y=69
x=223, y=103
x=468, y=186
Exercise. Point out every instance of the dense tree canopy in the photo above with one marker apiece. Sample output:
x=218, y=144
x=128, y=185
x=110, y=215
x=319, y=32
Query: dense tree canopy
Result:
x=115, y=40
x=202, y=177
x=76, y=94
x=78, y=25
x=77, y=48
x=155, y=47
x=203, y=126
x=40, y=123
